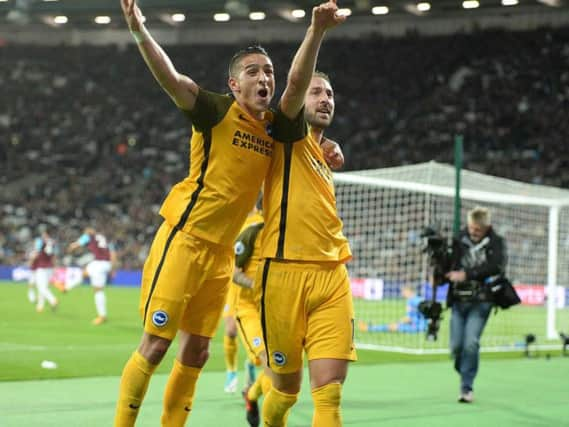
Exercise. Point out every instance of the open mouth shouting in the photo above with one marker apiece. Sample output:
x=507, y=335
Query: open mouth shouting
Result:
x=263, y=93
x=324, y=112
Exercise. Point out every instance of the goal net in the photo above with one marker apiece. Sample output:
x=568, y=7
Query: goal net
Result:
x=384, y=212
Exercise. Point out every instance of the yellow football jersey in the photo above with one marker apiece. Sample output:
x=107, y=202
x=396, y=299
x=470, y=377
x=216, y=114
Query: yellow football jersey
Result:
x=230, y=153
x=299, y=206
x=248, y=256
x=255, y=218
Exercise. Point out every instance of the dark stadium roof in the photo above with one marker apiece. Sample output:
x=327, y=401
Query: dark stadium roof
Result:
x=82, y=12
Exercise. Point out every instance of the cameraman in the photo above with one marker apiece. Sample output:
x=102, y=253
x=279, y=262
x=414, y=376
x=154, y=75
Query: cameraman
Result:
x=478, y=254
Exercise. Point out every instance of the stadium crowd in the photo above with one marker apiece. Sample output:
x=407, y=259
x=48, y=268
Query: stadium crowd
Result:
x=86, y=138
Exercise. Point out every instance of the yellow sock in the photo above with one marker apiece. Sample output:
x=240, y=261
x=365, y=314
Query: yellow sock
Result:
x=266, y=384
x=327, y=405
x=134, y=383
x=179, y=394
x=276, y=407
x=230, y=351
x=256, y=389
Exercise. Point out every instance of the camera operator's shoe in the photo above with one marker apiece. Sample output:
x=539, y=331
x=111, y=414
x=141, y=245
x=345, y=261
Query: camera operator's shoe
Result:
x=466, y=397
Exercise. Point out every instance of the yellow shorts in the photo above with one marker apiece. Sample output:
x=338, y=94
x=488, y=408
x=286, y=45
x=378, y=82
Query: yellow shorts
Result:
x=249, y=326
x=231, y=300
x=305, y=306
x=184, y=284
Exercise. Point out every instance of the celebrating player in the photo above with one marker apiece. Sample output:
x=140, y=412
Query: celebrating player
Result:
x=306, y=303
x=247, y=257
x=230, y=348
x=187, y=272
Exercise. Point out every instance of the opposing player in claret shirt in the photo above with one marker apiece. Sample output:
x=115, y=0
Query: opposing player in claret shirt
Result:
x=32, y=290
x=43, y=261
x=98, y=269
x=187, y=272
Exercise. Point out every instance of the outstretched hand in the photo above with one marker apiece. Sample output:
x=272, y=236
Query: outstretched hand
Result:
x=326, y=16
x=132, y=14
x=332, y=153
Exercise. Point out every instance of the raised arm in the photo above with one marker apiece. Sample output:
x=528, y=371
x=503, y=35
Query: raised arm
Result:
x=304, y=63
x=179, y=87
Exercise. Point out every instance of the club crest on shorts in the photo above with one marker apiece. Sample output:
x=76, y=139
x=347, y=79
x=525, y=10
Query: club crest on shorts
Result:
x=279, y=358
x=256, y=342
x=159, y=318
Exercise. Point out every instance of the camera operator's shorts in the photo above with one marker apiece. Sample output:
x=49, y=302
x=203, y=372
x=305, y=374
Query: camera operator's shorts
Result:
x=184, y=284
x=305, y=306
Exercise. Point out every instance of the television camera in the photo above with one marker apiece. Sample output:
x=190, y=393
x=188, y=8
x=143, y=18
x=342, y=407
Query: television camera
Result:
x=439, y=255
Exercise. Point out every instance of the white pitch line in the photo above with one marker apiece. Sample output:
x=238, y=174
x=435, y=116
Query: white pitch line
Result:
x=20, y=347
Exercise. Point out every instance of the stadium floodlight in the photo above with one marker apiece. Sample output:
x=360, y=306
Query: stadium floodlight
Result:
x=470, y=4
x=60, y=20
x=102, y=20
x=380, y=10
x=221, y=17
x=43, y=0
x=3, y=1
x=344, y=11
x=510, y=2
x=423, y=7
x=257, y=16
x=178, y=17
x=298, y=13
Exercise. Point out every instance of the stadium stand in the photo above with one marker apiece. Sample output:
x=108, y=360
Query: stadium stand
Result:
x=86, y=138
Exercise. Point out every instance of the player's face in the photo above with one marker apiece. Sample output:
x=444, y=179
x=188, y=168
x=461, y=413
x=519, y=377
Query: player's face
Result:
x=319, y=103
x=476, y=231
x=254, y=85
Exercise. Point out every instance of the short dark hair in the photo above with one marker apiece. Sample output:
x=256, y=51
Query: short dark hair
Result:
x=322, y=75
x=239, y=55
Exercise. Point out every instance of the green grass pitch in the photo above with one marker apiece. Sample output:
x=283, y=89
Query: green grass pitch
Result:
x=384, y=389
x=506, y=328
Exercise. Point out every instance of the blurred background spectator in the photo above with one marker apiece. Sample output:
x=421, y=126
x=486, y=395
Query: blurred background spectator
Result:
x=86, y=138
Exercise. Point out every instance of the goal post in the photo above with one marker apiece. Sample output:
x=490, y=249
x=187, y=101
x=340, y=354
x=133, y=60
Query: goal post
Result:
x=384, y=212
